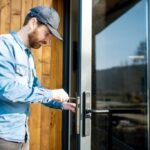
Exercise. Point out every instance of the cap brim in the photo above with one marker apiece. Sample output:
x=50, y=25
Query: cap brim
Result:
x=55, y=33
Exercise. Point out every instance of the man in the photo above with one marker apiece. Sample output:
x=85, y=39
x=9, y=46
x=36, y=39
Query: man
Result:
x=19, y=85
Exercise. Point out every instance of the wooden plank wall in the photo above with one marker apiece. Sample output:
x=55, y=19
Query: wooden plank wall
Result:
x=45, y=124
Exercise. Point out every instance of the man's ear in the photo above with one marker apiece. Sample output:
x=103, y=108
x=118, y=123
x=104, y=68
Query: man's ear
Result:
x=33, y=23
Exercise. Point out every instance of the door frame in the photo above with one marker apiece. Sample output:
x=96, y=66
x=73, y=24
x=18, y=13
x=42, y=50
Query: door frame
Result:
x=85, y=69
x=66, y=73
x=84, y=48
x=85, y=142
x=84, y=65
x=148, y=71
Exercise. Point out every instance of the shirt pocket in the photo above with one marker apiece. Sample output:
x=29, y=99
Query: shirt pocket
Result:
x=22, y=74
x=21, y=70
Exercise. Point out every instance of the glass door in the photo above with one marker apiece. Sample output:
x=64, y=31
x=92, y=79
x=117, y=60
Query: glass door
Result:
x=108, y=75
x=119, y=76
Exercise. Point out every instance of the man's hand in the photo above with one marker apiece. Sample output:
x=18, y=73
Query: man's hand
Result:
x=69, y=106
x=59, y=95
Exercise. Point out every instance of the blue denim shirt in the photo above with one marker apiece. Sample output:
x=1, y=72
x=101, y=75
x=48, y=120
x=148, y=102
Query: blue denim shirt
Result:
x=19, y=86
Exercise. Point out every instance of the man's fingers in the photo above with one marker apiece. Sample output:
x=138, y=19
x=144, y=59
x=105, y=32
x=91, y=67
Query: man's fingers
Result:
x=69, y=106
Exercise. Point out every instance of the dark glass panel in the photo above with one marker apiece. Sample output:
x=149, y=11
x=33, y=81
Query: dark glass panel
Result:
x=119, y=75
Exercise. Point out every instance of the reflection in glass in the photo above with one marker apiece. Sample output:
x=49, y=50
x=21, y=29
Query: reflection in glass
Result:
x=119, y=75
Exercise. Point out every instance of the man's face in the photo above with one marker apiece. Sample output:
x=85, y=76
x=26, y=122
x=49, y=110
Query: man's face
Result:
x=39, y=37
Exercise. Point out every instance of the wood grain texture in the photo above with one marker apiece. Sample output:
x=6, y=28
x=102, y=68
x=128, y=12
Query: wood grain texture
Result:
x=5, y=16
x=15, y=14
x=45, y=124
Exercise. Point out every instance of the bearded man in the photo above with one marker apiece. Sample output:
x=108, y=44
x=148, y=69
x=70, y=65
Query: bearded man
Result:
x=19, y=85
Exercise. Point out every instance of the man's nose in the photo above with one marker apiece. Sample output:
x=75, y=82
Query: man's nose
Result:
x=48, y=39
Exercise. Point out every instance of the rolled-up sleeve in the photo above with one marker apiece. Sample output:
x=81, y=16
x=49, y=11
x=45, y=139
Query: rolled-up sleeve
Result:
x=51, y=103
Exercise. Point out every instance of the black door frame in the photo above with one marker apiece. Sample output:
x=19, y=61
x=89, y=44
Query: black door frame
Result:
x=66, y=54
x=148, y=70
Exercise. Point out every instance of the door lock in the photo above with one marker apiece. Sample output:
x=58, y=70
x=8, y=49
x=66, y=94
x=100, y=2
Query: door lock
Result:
x=86, y=103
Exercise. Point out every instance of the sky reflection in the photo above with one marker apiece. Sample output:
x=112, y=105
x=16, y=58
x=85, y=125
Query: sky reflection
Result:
x=121, y=39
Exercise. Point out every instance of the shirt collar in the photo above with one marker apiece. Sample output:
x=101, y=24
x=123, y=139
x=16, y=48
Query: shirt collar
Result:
x=19, y=41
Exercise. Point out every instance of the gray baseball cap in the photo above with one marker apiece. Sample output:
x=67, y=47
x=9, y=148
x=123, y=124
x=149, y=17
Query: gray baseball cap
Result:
x=49, y=17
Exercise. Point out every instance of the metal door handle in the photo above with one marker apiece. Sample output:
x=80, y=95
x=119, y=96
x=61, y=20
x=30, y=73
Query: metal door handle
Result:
x=114, y=110
x=97, y=111
x=78, y=115
x=72, y=98
x=77, y=100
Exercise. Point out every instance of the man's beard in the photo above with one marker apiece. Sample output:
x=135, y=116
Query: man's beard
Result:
x=33, y=40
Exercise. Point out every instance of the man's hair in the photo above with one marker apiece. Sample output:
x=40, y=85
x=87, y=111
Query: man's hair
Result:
x=28, y=17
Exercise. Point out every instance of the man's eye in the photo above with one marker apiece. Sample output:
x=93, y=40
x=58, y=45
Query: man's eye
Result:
x=50, y=33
